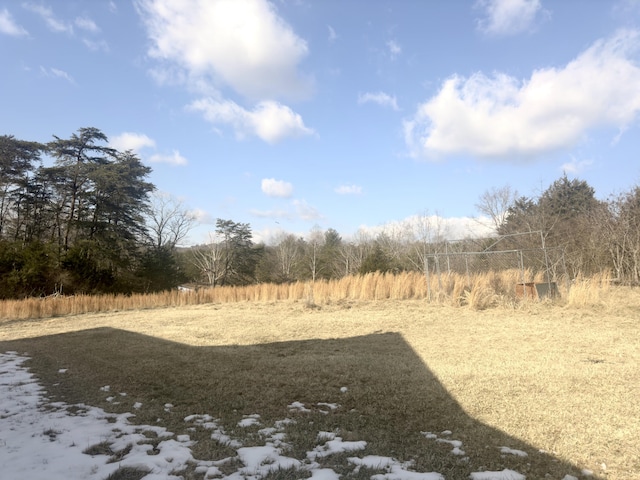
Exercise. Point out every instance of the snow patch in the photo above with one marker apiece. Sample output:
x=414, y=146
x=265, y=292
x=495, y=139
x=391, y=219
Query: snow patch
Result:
x=511, y=451
x=505, y=474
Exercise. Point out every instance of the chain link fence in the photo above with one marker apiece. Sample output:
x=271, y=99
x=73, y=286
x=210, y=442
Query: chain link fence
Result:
x=536, y=265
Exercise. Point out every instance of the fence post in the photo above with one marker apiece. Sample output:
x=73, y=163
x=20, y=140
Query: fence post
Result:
x=426, y=273
x=546, y=265
x=446, y=246
x=466, y=266
x=521, y=266
x=566, y=273
x=546, y=259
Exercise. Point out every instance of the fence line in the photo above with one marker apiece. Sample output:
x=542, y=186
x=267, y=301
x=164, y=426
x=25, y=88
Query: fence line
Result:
x=541, y=265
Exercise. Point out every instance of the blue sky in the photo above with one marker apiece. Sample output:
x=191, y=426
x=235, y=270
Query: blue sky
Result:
x=291, y=115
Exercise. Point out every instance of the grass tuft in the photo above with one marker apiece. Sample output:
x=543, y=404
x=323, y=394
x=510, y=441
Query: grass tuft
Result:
x=102, y=448
x=287, y=474
x=128, y=473
x=588, y=292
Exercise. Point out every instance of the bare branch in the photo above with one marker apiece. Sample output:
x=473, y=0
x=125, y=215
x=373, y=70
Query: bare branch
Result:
x=495, y=204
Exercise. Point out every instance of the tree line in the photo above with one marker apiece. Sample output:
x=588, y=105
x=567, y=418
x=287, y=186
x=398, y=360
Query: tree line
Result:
x=596, y=235
x=90, y=221
x=592, y=235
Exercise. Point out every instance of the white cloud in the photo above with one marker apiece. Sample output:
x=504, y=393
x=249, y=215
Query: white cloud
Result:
x=270, y=213
x=501, y=116
x=137, y=142
x=58, y=26
x=348, y=190
x=333, y=36
x=57, y=73
x=8, y=26
x=269, y=120
x=131, y=141
x=381, y=98
x=61, y=74
x=174, y=159
x=50, y=19
x=202, y=216
x=95, y=46
x=306, y=211
x=298, y=210
x=457, y=228
x=576, y=166
x=276, y=188
x=508, y=17
x=85, y=23
x=243, y=44
x=394, y=48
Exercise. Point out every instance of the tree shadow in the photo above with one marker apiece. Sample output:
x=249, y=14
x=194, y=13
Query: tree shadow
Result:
x=391, y=395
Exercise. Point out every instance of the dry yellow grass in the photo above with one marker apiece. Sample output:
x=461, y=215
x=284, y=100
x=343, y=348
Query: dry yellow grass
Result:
x=558, y=377
x=477, y=292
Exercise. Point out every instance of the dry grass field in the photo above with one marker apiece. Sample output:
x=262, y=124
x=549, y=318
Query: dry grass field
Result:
x=560, y=380
x=478, y=291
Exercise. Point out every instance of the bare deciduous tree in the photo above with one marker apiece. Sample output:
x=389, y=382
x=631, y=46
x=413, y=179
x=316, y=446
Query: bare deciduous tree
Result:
x=425, y=233
x=314, y=244
x=392, y=240
x=288, y=251
x=353, y=253
x=168, y=220
x=495, y=204
x=230, y=257
x=210, y=260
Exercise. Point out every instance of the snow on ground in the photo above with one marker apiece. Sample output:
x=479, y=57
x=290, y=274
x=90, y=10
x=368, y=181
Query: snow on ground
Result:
x=41, y=440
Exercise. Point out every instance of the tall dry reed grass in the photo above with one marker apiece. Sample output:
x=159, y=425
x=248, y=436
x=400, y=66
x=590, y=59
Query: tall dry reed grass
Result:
x=588, y=291
x=479, y=291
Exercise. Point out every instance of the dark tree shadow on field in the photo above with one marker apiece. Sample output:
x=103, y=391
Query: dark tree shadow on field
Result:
x=392, y=395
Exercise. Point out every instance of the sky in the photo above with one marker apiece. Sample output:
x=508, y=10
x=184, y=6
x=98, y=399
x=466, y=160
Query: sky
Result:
x=294, y=115
x=41, y=440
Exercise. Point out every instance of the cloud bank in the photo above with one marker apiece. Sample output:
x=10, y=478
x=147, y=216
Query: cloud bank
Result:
x=499, y=116
x=241, y=45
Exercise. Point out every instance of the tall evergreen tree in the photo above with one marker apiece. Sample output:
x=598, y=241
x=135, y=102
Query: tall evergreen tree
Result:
x=18, y=159
x=77, y=158
x=376, y=261
x=330, y=256
x=563, y=214
x=85, y=214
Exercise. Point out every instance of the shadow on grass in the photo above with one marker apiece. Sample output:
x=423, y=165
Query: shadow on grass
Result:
x=391, y=396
